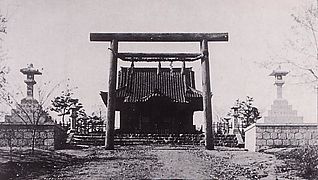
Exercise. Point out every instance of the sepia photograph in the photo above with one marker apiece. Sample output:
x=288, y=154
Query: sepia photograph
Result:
x=141, y=89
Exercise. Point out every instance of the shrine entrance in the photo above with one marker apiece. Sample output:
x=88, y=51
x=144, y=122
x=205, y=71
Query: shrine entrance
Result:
x=202, y=38
x=156, y=116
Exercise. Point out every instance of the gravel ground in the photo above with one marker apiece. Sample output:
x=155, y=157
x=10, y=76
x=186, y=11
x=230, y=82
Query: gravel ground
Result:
x=162, y=162
x=170, y=162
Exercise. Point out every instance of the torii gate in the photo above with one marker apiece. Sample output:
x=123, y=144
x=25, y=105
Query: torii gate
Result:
x=203, y=38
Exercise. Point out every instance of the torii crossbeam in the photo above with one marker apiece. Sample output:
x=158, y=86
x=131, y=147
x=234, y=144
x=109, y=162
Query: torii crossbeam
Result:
x=148, y=57
x=203, y=38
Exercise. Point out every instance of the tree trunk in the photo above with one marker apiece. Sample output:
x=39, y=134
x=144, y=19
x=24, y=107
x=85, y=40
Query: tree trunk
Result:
x=33, y=139
x=10, y=144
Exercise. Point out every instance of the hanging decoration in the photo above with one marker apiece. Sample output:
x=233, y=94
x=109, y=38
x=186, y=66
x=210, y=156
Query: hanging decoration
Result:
x=131, y=69
x=171, y=67
x=183, y=69
x=159, y=67
x=129, y=76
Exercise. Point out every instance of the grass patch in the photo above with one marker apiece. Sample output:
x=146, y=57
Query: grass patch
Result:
x=302, y=161
x=25, y=163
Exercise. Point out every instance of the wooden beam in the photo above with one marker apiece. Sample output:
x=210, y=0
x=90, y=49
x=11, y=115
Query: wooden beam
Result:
x=206, y=91
x=111, y=100
x=159, y=56
x=159, y=37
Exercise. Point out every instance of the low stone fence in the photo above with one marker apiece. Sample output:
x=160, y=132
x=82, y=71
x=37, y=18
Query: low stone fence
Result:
x=49, y=137
x=263, y=136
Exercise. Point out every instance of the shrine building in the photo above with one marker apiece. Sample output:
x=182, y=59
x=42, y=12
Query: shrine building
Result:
x=157, y=100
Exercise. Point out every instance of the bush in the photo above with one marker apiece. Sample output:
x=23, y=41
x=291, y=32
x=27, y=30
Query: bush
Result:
x=303, y=160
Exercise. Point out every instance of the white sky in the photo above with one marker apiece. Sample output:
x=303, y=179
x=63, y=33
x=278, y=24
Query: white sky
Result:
x=54, y=35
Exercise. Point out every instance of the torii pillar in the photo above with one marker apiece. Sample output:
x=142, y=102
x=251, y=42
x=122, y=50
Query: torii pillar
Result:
x=203, y=38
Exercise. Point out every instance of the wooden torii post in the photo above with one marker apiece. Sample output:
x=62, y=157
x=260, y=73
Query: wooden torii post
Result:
x=203, y=38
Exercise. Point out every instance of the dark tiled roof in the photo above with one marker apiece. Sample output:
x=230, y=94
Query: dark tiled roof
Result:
x=141, y=84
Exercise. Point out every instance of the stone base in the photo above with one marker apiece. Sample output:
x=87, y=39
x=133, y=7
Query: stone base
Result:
x=48, y=137
x=281, y=113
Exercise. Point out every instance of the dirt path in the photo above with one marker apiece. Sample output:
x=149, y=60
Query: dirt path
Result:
x=197, y=163
x=179, y=164
x=140, y=162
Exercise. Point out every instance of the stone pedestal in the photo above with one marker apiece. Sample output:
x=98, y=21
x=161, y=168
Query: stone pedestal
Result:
x=282, y=113
x=28, y=111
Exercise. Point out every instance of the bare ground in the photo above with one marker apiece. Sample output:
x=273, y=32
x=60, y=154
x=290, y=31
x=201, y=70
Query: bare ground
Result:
x=161, y=162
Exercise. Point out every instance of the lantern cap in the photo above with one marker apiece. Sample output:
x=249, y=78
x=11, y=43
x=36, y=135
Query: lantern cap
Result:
x=279, y=71
x=30, y=70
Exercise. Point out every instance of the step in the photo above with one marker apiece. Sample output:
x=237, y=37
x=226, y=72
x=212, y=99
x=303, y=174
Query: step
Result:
x=130, y=139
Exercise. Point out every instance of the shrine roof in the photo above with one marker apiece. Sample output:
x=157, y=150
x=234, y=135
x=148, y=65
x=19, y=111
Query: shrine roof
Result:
x=141, y=84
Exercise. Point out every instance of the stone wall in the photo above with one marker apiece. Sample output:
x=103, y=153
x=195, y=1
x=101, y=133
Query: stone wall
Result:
x=47, y=137
x=263, y=136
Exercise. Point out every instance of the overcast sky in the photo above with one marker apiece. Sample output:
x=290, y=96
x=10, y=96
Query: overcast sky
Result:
x=54, y=35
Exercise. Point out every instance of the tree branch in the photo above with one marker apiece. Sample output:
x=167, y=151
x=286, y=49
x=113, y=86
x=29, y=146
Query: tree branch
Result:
x=315, y=38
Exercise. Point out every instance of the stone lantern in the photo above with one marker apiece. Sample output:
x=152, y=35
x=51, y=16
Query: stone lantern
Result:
x=281, y=112
x=74, y=115
x=30, y=71
x=279, y=82
x=227, y=120
x=235, y=121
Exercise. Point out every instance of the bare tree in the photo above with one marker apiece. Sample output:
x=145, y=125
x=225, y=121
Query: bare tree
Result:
x=30, y=111
x=3, y=67
x=3, y=21
x=3, y=72
x=33, y=112
x=300, y=53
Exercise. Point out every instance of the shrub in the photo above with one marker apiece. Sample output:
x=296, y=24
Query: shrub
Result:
x=304, y=160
